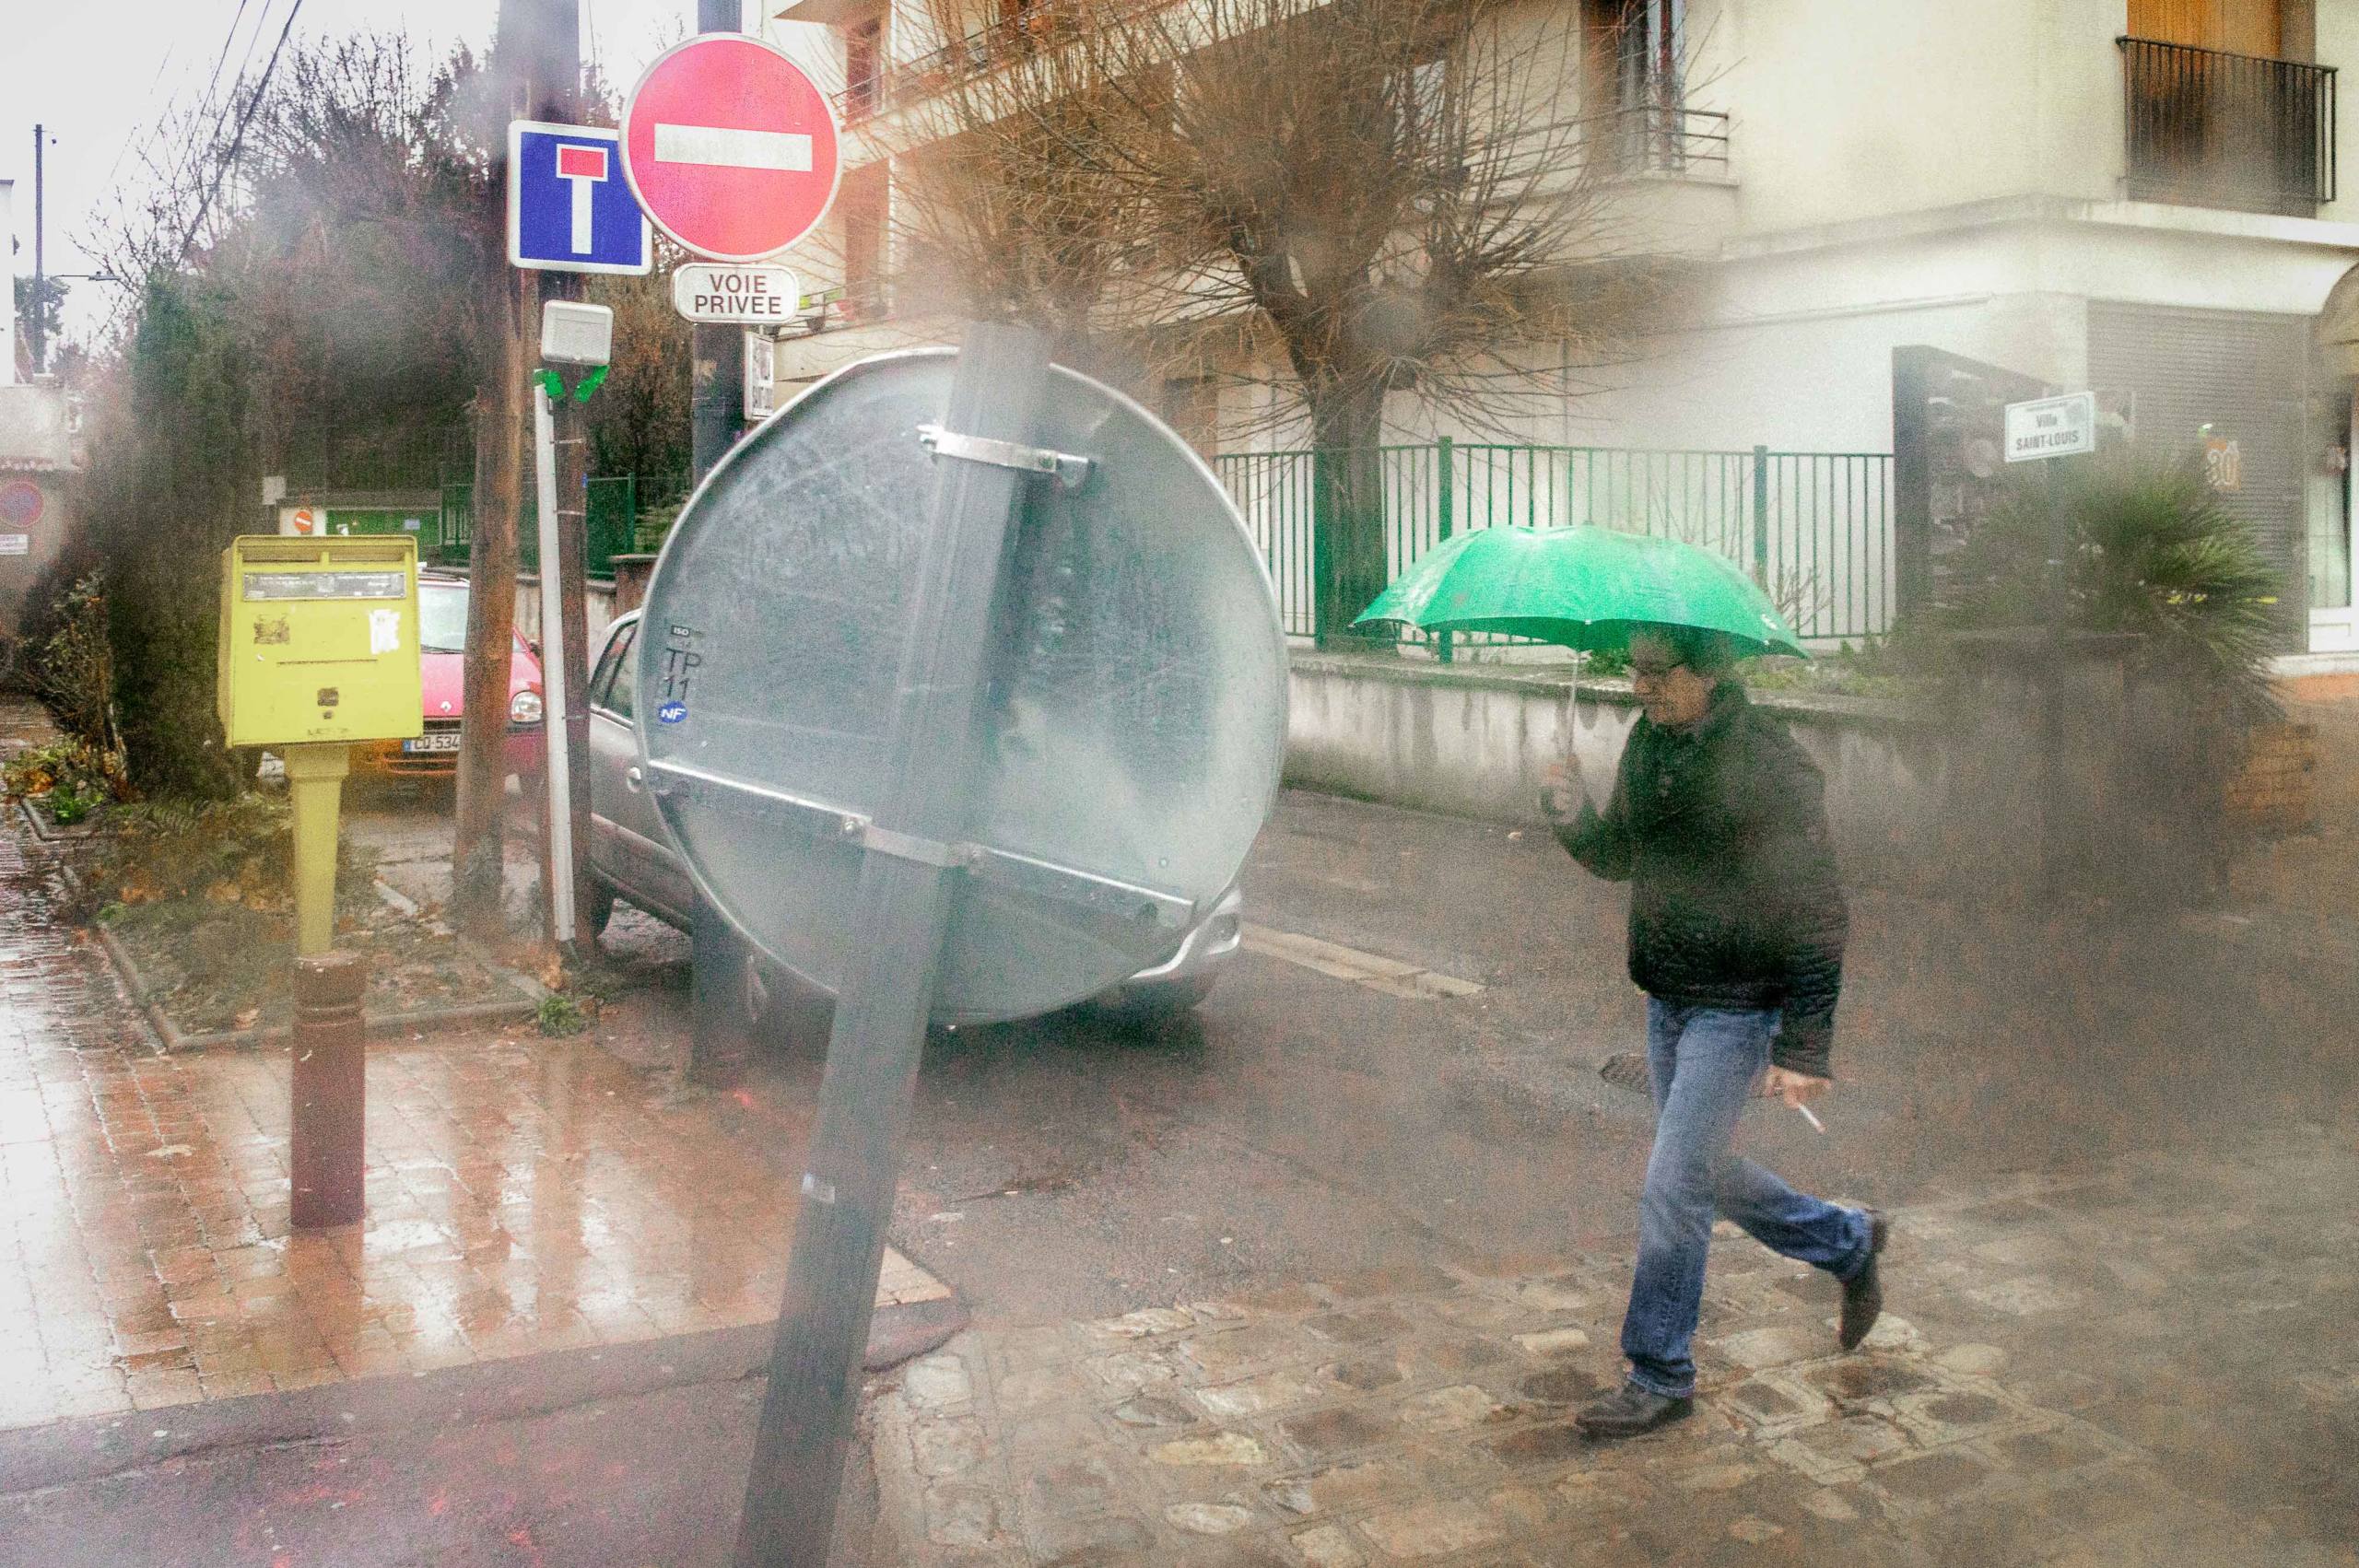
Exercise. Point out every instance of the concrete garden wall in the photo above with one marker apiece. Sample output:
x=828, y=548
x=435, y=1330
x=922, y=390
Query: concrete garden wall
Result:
x=1473, y=740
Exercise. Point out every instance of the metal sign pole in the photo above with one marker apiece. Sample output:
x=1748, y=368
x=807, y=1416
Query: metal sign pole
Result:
x=903, y=904
x=554, y=729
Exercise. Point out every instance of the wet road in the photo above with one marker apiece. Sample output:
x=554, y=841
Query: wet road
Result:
x=1299, y=1125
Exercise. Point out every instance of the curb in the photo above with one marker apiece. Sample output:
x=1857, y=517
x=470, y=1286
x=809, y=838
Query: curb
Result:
x=87, y=1448
x=375, y=1025
x=48, y=835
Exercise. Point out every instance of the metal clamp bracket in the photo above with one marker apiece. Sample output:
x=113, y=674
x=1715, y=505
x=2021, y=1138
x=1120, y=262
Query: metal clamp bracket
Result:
x=1071, y=472
x=1002, y=867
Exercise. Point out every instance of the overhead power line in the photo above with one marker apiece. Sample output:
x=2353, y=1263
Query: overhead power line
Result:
x=123, y=149
x=219, y=91
x=213, y=80
x=238, y=141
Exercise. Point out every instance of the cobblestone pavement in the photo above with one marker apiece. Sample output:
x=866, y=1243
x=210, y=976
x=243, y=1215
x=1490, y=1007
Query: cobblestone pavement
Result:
x=524, y=1195
x=2098, y=1370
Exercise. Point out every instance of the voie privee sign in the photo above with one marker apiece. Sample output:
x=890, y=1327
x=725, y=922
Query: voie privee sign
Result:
x=749, y=296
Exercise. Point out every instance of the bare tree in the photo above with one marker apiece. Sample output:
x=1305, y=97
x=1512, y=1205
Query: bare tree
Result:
x=638, y=421
x=1380, y=198
x=351, y=229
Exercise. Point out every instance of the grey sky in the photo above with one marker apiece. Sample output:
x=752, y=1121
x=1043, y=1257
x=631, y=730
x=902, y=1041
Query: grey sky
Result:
x=98, y=76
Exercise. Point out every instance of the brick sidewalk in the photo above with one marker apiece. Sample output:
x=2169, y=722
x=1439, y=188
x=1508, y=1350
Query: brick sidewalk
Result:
x=2153, y=1365
x=524, y=1195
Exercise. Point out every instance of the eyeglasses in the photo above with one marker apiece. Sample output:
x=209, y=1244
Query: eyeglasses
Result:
x=1653, y=672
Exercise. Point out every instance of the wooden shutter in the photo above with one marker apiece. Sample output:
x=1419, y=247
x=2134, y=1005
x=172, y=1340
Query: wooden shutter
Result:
x=2240, y=27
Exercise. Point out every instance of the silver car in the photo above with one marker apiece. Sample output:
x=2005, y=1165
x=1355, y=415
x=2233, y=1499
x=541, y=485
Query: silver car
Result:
x=631, y=857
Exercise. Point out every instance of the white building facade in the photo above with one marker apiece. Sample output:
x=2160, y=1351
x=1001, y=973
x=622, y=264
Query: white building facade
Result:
x=1909, y=212
x=40, y=460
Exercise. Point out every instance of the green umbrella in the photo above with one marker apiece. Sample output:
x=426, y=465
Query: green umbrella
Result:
x=1586, y=587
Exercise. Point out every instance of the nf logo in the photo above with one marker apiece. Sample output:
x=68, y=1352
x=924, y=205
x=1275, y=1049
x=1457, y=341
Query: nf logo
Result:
x=672, y=713
x=569, y=207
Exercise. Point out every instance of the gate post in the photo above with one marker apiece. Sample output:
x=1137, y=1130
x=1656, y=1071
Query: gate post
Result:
x=1446, y=456
x=1761, y=517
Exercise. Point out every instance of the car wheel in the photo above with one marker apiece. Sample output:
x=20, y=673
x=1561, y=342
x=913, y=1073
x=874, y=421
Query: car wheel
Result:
x=1156, y=1002
x=597, y=908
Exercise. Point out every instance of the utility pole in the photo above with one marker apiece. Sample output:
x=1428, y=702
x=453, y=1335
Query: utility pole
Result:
x=719, y=1026
x=38, y=324
x=538, y=50
x=717, y=380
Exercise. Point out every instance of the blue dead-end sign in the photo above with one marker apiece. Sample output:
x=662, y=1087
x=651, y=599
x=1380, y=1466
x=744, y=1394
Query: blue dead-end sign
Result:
x=569, y=209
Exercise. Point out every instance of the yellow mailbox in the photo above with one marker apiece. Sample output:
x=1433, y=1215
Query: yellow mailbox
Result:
x=319, y=649
x=319, y=640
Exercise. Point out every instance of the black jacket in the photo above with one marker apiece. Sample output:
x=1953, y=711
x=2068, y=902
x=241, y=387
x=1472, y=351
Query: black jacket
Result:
x=1734, y=897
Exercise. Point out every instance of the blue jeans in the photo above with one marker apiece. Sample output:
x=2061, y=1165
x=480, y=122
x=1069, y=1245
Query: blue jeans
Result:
x=1706, y=1063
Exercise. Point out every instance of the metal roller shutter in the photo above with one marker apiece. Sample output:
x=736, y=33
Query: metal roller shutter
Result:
x=2246, y=376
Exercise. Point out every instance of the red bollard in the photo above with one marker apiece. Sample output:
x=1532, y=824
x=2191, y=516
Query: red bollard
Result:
x=330, y=1099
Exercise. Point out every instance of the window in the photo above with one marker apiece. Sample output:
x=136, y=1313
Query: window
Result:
x=1191, y=407
x=443, y=618
x=863, y=207
x=865, y=67
x=610, y=688
x=1639, y=48
x=2330, y=517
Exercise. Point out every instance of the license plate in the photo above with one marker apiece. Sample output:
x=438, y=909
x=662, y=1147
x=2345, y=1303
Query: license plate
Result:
x=449, y=742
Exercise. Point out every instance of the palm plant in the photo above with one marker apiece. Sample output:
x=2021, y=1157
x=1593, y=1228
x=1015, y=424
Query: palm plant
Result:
x=2122, y=543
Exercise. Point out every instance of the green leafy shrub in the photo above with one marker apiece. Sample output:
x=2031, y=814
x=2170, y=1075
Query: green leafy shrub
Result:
x=68, y=808
x=560, y=1015
x=70, y=777
x=72, y=664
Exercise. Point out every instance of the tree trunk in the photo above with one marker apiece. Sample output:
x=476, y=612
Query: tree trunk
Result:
x=1348, y=556
x=478, y=860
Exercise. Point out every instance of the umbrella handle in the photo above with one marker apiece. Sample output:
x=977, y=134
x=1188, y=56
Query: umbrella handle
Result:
x=1572, y=735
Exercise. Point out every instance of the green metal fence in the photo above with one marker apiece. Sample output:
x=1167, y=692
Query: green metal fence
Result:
x=617, y=506
x=1815, y=527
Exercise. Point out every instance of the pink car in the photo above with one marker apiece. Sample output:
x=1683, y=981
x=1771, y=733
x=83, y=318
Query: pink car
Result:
x=442, y=640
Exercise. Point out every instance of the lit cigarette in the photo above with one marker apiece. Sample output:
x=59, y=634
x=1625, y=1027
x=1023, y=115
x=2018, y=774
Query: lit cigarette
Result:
x=1810, y=1118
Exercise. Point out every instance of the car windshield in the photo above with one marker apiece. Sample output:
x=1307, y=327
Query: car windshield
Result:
x=443, y=618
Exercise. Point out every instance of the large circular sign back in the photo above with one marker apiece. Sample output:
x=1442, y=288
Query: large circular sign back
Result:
x=1135, y=723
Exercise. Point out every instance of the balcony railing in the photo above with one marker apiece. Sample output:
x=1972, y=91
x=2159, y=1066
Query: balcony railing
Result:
x=987, y=47
x=863, y=303
x=2211, y=129
x=1666, y=139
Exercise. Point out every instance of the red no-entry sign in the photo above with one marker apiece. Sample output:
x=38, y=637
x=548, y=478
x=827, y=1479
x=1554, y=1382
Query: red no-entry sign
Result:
x=730, y=148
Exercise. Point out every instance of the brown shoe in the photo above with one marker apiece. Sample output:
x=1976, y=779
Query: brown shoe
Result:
x=1863, y=1292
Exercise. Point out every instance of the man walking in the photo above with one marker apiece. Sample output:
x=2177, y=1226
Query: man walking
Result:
x=1737, y=924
